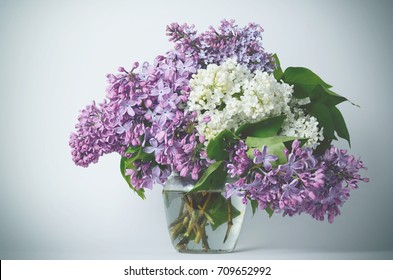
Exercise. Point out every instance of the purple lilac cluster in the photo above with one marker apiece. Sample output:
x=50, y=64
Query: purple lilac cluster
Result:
x=146, y=106
x=240, y=161
x=95, y=134
x=317, y=185
x=243, y=44
x=144, y=110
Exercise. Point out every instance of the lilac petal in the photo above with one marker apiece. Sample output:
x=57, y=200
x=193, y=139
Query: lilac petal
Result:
x=156, y=171
x=311, y=195
x=291, y=158
x=298, y=166
x=257, y=152
x=153, y=142
x=119, y=130
x=184, y=171
x=170, y=115
x=149, y=150
x=130, y=111
x=162, y=119
x=127, y=125
x=272, y=158
x=264, y=151
x=267, y=164
x=293, y=183
x=130, y=172
x=295, y=144
x=258, y=160
x=147, y=183
x=271, y=179
x=160, y=136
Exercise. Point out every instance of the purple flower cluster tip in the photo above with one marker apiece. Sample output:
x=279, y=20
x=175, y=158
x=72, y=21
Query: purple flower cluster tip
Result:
x=317, y=185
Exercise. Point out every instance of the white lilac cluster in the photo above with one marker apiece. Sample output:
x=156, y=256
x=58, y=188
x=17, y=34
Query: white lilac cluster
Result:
x=299, y=124
x=228, y=95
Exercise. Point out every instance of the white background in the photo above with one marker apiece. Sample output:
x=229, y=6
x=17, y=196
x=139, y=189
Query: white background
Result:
x=53, y=60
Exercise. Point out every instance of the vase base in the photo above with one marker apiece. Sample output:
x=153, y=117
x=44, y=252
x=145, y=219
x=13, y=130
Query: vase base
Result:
x=191, y=251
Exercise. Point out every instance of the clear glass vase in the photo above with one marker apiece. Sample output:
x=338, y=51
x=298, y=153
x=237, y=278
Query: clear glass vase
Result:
x=203, y=221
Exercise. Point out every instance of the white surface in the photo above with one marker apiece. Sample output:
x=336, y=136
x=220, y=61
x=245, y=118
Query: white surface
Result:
x=54, y=58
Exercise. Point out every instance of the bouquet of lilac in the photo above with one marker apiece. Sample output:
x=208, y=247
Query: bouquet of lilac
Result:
x=219, y=110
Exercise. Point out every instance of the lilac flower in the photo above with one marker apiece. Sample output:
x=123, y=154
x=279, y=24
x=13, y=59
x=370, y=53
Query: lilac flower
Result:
x=294, y=165
x=186, y=67
x=123, y=128
x=127, y=107
x=239, y=161
x=119, y=86
x=146, y=72
x=160, y=90
x=143, y=176
x=151, y=115
x=154, y=148
x=235, y=188
x=229, y=41
x=171, y=148
x=171, y=101
x=164, y=113
x=291, y=196
x=94, y=136
x=315, y=180
x=169, y=69
x=160, y=176
x=264, y=158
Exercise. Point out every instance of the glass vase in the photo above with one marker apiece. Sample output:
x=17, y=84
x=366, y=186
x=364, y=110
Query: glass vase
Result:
x=201, y=221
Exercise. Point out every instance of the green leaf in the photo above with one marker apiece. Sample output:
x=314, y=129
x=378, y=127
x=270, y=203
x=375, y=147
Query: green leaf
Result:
x=323, y=114
x=275, y=146
x=217, y=147
x=308, y=84
x=213, y=178
x=218, y=211
x=264, y=128
x=143, y=156
x=127, y=163
x=303, y=76
x=339, y=124
x=254, y=206
x=325, y=96
x=333, y=98
x=139, y=154
x=132, y=150
x=302, y=91
x=322, y=107
x=269, y=211
x=278, y=71
x=258, y=142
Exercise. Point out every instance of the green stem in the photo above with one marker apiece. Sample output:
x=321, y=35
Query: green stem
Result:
x=178, y=220
x=230, y=222
x=182, y=243
x=205, y=243
x=189, y=221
